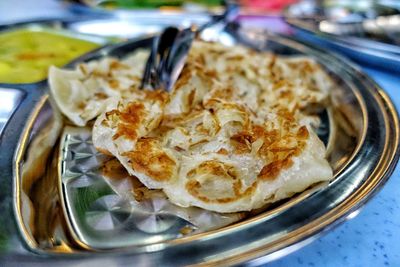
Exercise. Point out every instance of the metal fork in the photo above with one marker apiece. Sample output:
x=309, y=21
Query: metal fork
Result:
x=169, y=51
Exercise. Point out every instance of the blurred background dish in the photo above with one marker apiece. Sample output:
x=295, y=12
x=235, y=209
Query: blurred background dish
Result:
x=26, y=53
x=145, y=4
x=9, y=101
x=367, y=31
x=188, y=6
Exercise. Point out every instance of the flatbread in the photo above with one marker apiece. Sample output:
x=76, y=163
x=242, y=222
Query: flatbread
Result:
x=233, y=135
x=84, y=93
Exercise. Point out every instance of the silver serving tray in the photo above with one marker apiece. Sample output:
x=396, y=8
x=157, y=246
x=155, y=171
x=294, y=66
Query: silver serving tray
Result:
x=40, y=228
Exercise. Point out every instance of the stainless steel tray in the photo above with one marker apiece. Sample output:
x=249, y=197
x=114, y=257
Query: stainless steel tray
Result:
x=363, y=157
x=9, y=102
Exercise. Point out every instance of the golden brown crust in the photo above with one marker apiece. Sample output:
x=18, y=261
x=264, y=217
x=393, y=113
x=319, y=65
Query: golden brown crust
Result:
x=100, y=95
x=130, y=120
x=115, y=65
x=114, y=170
x=279, y=147
x=241, y=142
x=114, y=84
x=223, y=151
x=184, y=78
x=150, y=159
x=217, y=170
x=193, y=187
x=272, y=170
x=157, y=95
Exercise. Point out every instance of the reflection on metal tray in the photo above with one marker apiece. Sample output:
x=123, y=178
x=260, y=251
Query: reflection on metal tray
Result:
x=9, y=101
x=366, y=32
x=101, y=209
x=363, y=157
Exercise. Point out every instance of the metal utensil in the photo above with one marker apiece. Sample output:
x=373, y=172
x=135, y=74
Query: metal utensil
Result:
x=169, y=51
x=157, y=57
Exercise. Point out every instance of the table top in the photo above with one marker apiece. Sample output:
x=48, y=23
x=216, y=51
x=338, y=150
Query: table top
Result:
x=368, y=239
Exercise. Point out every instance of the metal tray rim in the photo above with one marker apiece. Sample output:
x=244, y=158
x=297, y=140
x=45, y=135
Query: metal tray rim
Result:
x=355, y=201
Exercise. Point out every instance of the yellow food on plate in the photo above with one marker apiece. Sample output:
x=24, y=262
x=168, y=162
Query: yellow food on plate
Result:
x=234, y=134
x=25, y=55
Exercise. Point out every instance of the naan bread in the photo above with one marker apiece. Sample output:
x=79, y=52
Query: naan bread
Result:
x=233, y=135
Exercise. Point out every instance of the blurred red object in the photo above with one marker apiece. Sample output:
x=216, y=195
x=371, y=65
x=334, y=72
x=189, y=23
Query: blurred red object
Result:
x=266, y=6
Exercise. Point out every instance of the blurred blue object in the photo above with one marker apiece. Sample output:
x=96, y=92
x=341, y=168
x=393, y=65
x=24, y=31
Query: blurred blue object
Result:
x=370, y=38
x=371, y=57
